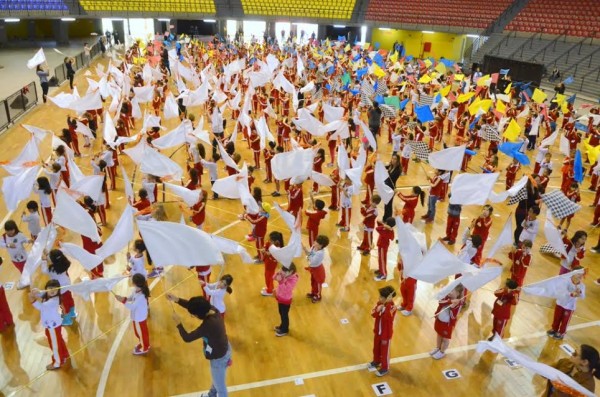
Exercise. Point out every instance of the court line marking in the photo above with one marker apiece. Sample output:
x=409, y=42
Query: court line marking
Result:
x=357, y=367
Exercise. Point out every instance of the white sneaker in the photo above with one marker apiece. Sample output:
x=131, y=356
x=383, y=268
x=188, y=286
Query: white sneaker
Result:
x=439, y=355
x=264, y=292
x=434, y=351
x=406, y=312
x=22, y=286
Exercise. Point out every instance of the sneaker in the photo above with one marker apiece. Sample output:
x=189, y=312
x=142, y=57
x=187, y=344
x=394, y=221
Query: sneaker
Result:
x=333, y=208
x=250, y=238
x=425, y=216
x=445, y=239
x=597, y=282
x=309, y=295
x=67, y=320
x=258, y=262
x=406, y=313
x=366, y=253
x=434, y=351
x=315, y=299
x=22, y=286
x=138, y=350
x=451, y=242
x=276, y=329
x=264, y=292
x=52, y=367
x=279, y=333
x=595, y=250
x=551, y=333
x=428, y=220
x=275, y=194
x=438, y=355
x=344, y=229
x=381, y=277
x=372, y=366
x=491, y=338
x=381, y=372
x=154, y=273
x=558, y=336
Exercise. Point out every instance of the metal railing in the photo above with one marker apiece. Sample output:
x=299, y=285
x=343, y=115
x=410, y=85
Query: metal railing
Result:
x=587, y=76
x=576, y=65
x=529, y=41
x=19, y=103
x=551, y=43
x=504, y=41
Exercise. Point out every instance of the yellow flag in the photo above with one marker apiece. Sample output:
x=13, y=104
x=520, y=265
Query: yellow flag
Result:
x=446, y=90
x=347, y=48
x=459, y=77
x=539, y=96
x=465, y=97
x=483, y=80
x=508, y=88
x=366, y=45
x=377, y=71
x=441, y=68
x=427, y=63
x=559, y=99
x=474, y=107
x=501, y=107
x=592, y=151
x=512, y=131
x=565, y=108
x=425, y=79
x=394, y=57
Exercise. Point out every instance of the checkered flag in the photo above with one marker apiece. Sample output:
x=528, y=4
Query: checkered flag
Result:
x=318, y=95
x=549, y=249
x=388, y=111
x=337, y=85
x=521, y=195
x=367, y=89
x=382, y=88
x=425, y=100
x=411, y=125
x=420, y=149
x=489, y=133
x=559, y=204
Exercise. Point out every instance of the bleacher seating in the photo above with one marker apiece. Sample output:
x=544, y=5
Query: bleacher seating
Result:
x=169, y=6
x=578, y=17
x=465, y=13
x=32, y=5
x=331, y=9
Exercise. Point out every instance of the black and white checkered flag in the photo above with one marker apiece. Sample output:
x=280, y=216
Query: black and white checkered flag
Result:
x=521, y=195
x=411, y=125
x=367, y=89
x=489, y=133
x=559, y=204
x=549, y=249
x=365, y=101
x=425, y=100
x=318, y=95
x=420, y=149
x=382, y=88
x=388, y=111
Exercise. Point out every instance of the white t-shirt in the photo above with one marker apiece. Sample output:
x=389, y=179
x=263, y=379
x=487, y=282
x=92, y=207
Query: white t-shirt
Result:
x=217, y=296
x=138, y=305
x=570, y=302
x=50, y=312
x=138, y=265
x=18, y=253
x=33, y=223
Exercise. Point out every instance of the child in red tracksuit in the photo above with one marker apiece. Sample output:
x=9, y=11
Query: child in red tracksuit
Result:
x=137, y=303
x=408, y=290
x=410, y=203
x=505, y=298
x=370, y=216
x=565, y=305
x=481, y=227
x=384, y=313
x=335, y=192
x=511, y=173
x=315, y=215
x=521, y=258
x=295, y=199
x=48, y=303
x=386, y=234
x=452, y=223
x=286, y=278
x=259, y=231
x=445, y=320
x=315, y=256
x=276, y=240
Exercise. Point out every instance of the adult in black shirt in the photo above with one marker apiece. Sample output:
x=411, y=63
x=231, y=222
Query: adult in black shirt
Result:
x=533, y=196
x=212, y=332
x=70, y=71
x=375, y=119
x=394, y=170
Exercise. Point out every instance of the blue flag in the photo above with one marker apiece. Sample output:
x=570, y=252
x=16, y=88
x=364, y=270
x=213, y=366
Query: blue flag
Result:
x=341, y=38
x=369, y=61
x=581, y=127
x=330, y=70
x=328, y=86
x=361, y=72
x=447, y=63
x=512, y=149
x=378, y=59
x=578, y=167
x=356, y=58
x=424, y=114
x=569, y=80
x=470, y=152
x=379, y=99
x=571, y=99
x=354, y=92
x=409, y=58
x=474, y=123
x=403, y=52
x=377, y=46
x=403, y=104
x=504, y=71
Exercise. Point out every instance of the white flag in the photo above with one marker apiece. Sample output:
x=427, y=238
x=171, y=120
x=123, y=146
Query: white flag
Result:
x=144, y=94
x=321, y=179
x=176, y=137
x=381, y=175
x=472, y=189
x=171, y=243
x=554, y=287
x=512, y=192
x=171, y=109
x=285, y=255
x=87, y=260
x=37, y=59
x=449, y=159
x=231, y=247
x=293, y=163
x=554, y=236
x=109, y=132
x=86, y=288
x=411, y=245
x=332, y=113
x=69, y=214
x=190, y=197
x=472, y=280
x=44, y=241
x=16, y=188
x=504, y=239
x=128, y=185
x=437, y=264
x=28, y=155
x=496, y=345
x=84, y=130
x=122, y=234
x=154, y=163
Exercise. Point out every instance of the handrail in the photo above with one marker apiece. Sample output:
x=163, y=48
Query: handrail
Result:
x=597, y=69
x=497, y=46
x=528, y=41
x=553, y=42
x=576, y=65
